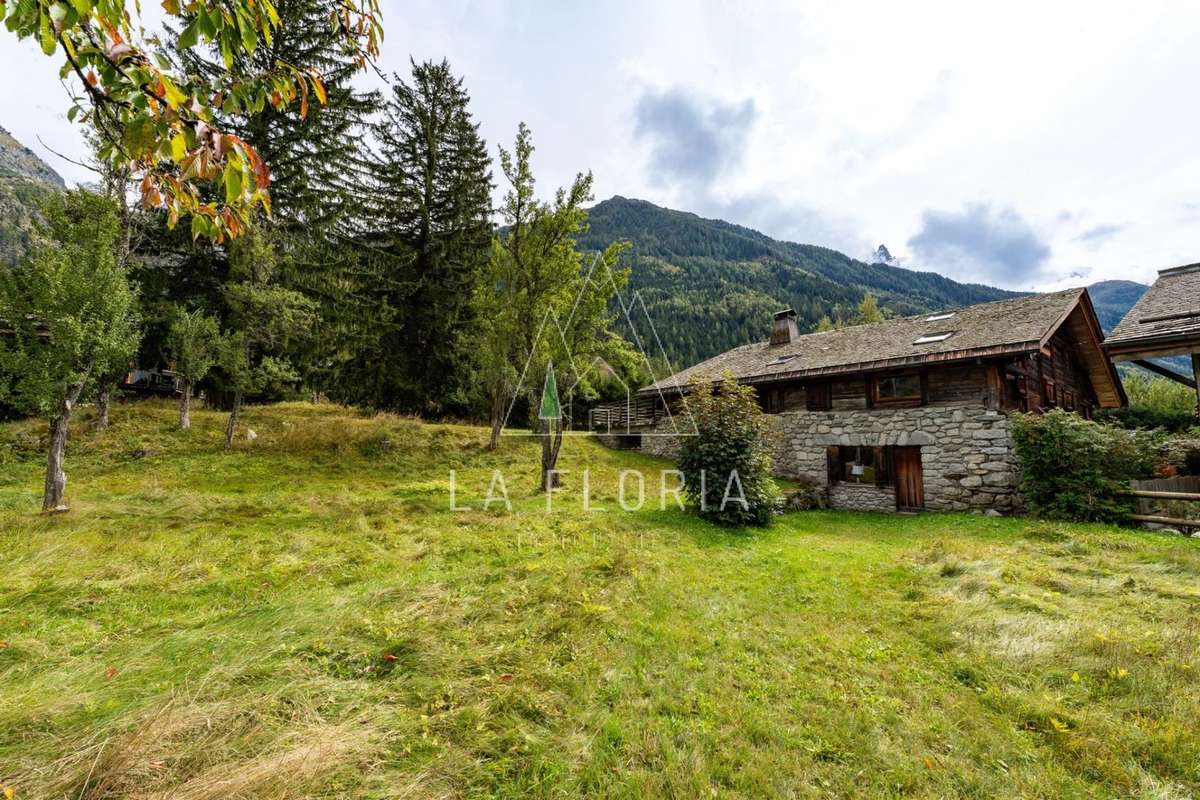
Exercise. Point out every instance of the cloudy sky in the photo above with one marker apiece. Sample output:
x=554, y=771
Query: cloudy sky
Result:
x=1028, y=145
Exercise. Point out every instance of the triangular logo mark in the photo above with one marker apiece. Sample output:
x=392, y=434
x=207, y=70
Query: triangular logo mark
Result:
x=551, y=408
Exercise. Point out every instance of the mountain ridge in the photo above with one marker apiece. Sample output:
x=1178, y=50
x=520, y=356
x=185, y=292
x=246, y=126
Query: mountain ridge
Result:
x=710, y=285
x=25, y=180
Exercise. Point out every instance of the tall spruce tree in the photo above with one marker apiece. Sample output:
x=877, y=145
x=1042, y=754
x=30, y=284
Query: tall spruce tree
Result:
x=318, y=170
x=433, y=230
x=314, y=155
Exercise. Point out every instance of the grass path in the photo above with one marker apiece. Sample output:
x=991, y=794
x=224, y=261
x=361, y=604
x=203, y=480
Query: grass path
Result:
x=305, y=617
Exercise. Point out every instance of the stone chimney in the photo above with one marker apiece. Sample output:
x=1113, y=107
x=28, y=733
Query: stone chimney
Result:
x=785, y=330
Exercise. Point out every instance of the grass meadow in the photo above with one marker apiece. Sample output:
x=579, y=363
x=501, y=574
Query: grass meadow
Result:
x=305, y=617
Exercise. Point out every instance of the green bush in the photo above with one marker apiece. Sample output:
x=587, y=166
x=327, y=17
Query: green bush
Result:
x=1153, y=403
x=1073, y=469
x=727, y=454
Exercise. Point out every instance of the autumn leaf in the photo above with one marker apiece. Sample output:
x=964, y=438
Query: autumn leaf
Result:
x=506, y=677
x=110, y=673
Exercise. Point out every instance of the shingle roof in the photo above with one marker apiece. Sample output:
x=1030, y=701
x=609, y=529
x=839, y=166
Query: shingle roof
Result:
x=1004, y=326
x=1170, y=308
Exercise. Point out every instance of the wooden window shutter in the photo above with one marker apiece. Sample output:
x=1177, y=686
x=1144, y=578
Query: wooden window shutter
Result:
x=817, y=396
x=833, y=460
x=883, y=466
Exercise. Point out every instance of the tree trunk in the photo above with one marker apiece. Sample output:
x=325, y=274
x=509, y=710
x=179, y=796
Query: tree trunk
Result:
x=102, y=400
x=551, y=444
x=231, y=428
x=185, y=406
x=56, y=479
x=497, y=418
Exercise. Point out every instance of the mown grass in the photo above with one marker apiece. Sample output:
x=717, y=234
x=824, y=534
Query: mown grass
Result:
x=305, y=617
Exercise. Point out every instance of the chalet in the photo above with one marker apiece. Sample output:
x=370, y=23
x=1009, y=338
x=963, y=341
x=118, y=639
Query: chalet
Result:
x=910, y=413
x=1164, y=322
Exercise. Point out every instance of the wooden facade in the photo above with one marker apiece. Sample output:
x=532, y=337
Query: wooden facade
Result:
x=1052, y=378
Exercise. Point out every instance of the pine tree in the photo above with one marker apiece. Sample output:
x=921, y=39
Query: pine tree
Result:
x=314, y=155
x=432, y=183
x=319, y=168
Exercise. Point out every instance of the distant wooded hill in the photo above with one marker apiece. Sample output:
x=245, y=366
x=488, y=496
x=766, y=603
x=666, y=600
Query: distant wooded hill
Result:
x=710, y=285
x=1113, y=299
x=24, y=181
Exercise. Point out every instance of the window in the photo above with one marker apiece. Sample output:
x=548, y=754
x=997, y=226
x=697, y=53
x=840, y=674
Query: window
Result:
x=897, y=388
x=774, y=399
x=1049, y=397
x=865, y=465
x=819, y=397
x=1016, y=396
x=940, y=317
x=930, y=338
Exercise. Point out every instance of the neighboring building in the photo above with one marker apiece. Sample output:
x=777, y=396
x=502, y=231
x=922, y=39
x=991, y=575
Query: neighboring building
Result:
x=1164, y=322
x=911, y=413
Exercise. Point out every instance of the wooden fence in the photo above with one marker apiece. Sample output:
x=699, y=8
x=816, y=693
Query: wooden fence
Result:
x=1168, y=501
x=621, y=417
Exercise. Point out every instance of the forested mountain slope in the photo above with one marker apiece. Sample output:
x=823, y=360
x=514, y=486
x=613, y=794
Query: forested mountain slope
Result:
x=1113, y=299
x=24, y=181
x=710, y=285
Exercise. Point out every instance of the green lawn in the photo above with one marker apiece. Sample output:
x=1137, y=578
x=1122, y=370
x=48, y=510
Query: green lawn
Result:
x=305, y=617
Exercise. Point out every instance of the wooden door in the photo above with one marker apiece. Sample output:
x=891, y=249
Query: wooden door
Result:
x=910, y=480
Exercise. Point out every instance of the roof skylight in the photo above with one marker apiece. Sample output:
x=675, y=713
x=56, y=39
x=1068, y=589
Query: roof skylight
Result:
x=930, y=338
x=939, y=317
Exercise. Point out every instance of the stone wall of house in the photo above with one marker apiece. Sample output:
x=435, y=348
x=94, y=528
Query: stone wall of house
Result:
x=862, y=497
x=966, y=452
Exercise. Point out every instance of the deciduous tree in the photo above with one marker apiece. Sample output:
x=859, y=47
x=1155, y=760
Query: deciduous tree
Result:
x=544, y=306
x=264, y=318
x=69, y=312
x=193, y=342
x=160, y=120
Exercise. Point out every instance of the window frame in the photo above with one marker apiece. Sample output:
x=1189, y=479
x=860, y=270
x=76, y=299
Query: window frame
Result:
x=882, y=460
x=875, y=396
x=818, y=396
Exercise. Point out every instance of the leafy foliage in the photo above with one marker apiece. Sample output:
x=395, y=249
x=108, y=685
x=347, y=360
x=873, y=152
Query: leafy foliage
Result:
x=193, y=342
x=160, y=119
x=726, y=467
x=264, y=318
x=1154, y=403
x=69, y=308
x=1072, y=469
x=542, y=303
